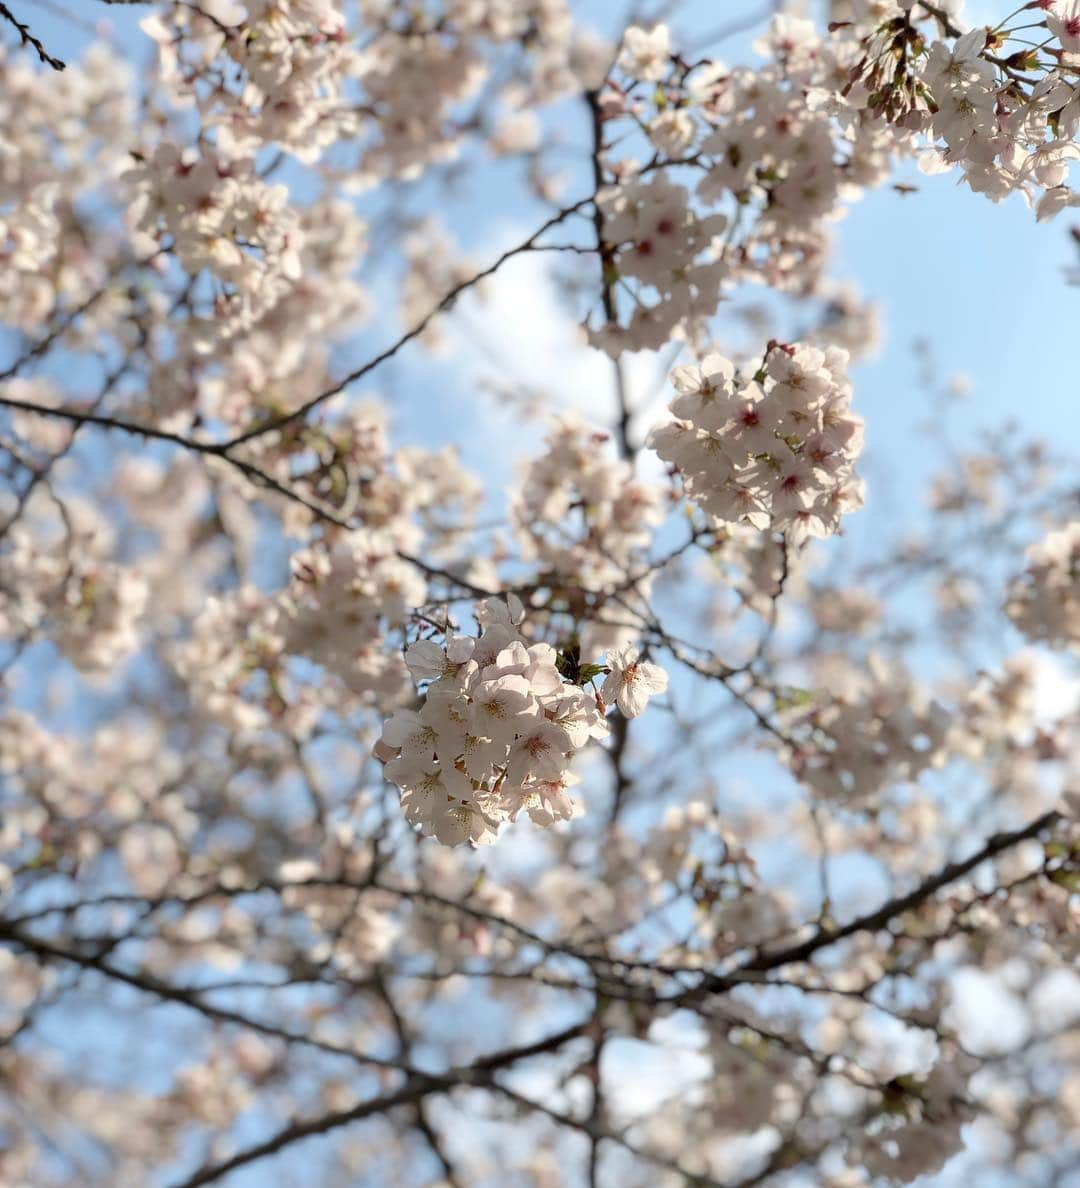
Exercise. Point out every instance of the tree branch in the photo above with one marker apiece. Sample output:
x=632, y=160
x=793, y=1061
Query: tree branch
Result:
x=871, y=921
x=29, y=39
x=416, y=1087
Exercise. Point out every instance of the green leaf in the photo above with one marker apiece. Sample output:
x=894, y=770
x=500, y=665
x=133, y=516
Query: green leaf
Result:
x=794, y=698
x=588, y=672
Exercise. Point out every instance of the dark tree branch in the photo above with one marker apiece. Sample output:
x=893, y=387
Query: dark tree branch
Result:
x=418, y=329
x=29, y=39
x=892, y=908
x=416, y=1087
x=607, y=272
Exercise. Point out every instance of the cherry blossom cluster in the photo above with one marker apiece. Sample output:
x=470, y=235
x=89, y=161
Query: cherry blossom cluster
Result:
x=292, y=59
x=62, y=581
x=223, y=217
x=782, y=165
x=344, y=596
x=922, y=1137
x=746, y=576
x=1030, y=744
x=495, y=735
x=776, y=451
x=1004, y=139
x=422, y=69
x=701, y=849
x=64, y=136
x=584, y=520
x=414, y=495
x=433, y=270
x=353, y=939
x=499, y=727
x=464, y=936
x=293, y=73
x=235, y=638
x=277, y=345
x=787, y=144
x=771, y=142
x=872, y=729
x=1044, y=601
x=75, y=801
x=658, y=244
x=348, y=591
x=1008, y=117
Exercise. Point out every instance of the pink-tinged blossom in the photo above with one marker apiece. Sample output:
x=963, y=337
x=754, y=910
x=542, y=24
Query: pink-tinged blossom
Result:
x=491, y=740
x=775, y=451
x=1044, y=601
x=632, y=681
x=645, y=52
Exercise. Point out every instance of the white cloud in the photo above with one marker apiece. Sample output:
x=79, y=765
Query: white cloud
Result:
x=989, y=1019
x=521, y=334
x=1057, y=689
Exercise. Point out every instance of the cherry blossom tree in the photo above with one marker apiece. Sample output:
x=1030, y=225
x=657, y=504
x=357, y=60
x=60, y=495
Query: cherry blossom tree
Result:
x=366, y=822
